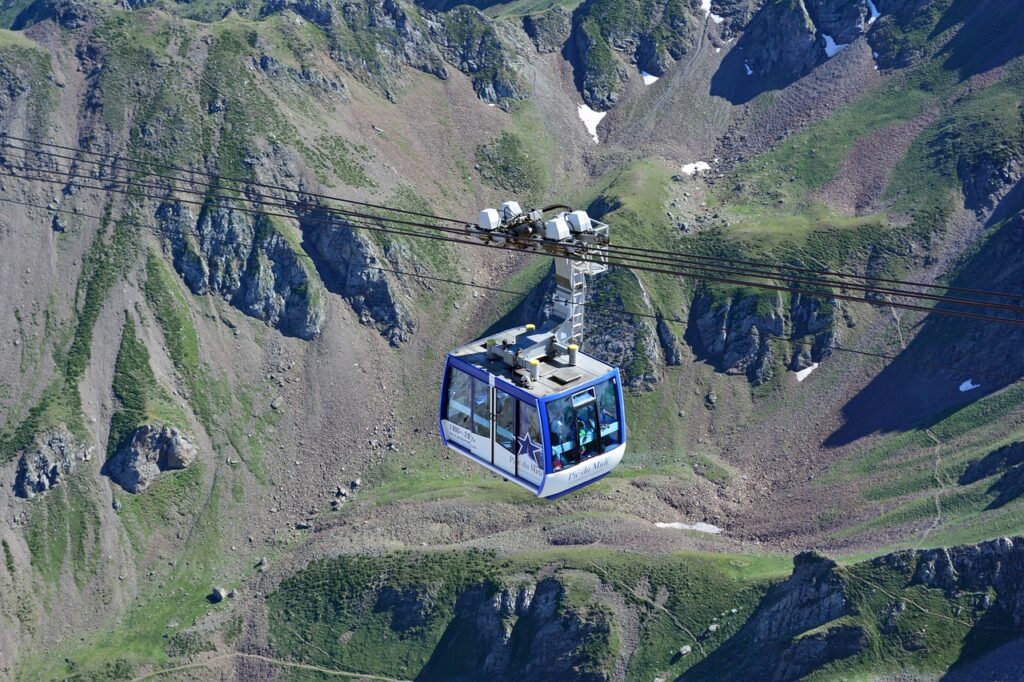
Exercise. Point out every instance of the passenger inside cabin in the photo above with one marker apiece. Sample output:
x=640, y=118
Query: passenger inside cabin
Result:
x=587, y=431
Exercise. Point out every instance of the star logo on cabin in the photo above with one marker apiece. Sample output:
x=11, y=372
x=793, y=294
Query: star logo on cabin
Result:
x=528, y=448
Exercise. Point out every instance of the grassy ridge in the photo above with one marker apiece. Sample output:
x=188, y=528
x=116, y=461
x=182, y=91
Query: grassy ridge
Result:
x=330, y=613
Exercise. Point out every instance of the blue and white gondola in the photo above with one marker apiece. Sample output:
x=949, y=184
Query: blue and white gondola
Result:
x=565, y=430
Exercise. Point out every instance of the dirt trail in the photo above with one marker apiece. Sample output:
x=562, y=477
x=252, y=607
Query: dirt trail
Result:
x=209, y=663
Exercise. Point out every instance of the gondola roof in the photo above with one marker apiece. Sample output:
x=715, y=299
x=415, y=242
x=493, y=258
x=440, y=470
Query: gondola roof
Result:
x=556, y=375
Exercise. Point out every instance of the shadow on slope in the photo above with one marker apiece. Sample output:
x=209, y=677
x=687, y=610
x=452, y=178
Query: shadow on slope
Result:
x=911, y=392
x=799, y=626
x=989, y=38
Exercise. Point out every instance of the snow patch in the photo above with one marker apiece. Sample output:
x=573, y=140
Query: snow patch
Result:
x=590, y=120
x=874, y=12
x=700, y=527
x=718, y=49
x=648, y=78
x=717, y=19
x=969, y=385
x=750, y=71
x=490, y=104
x=695, y=167
x=806, y=372
x=831, y=49
x=706, y=6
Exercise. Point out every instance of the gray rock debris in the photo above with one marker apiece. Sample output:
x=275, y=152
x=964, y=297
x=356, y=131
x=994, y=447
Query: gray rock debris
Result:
x=151, y=450
x=43, y=466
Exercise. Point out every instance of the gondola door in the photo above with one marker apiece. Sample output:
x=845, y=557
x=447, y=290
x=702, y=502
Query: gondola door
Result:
x=503, y=435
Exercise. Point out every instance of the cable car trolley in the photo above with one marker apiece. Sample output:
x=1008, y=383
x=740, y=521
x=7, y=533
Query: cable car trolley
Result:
x=528, y=404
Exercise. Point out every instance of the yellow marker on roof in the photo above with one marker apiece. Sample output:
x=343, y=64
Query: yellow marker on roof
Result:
x=530, y=327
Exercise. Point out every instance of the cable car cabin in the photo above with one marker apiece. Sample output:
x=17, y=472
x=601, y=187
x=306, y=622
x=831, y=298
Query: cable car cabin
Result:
x=563, y=431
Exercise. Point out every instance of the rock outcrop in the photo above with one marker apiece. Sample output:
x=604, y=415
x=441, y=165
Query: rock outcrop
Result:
x=70, y=14
x=988, y=177
x=467, y=40
x=350, y=266
x=374, y=39
x=795, y=629
x=626, y=341
x=548, y=30
x=995, y=462
x=304, y=75
x=522, y=633
x=151, y=450
x=656, y=34
x=247, y=261
x=815, y=320
x=995, y=564
x=734, y=333
x=44, y=466
x=841, y=20
x=781, y=42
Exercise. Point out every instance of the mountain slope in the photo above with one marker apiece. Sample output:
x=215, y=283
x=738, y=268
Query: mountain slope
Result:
x=197, y=394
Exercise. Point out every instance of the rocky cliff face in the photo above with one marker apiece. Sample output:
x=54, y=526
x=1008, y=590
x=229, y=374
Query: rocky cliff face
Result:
x=247, y=261
x=649, y=34
x=735, y=334
x=54, y=455
x=469, y=41
x=373, y=39
x=548, y=30
x=636, y=345
x=794, y=629
x=997, y=565
x=524, y=633
x=151, y=450
x=354, y=267
x=781, y=42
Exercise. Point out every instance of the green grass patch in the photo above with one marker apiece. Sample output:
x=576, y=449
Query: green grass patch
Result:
x=141, y=398
x=506, y=163
x=8, y=557
x=63, y=533
x=167, y=500
x=30, y=64
x=171, y=309
x=926, y=636
x=163, y=606
x=311, y=611
x=429, y=476
x=342, y=159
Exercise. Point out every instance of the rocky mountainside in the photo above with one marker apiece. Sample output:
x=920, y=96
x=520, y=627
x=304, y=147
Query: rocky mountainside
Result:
x=218, y=446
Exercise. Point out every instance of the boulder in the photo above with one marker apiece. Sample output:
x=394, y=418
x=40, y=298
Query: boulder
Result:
x=43, y=466
x=152, y=449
